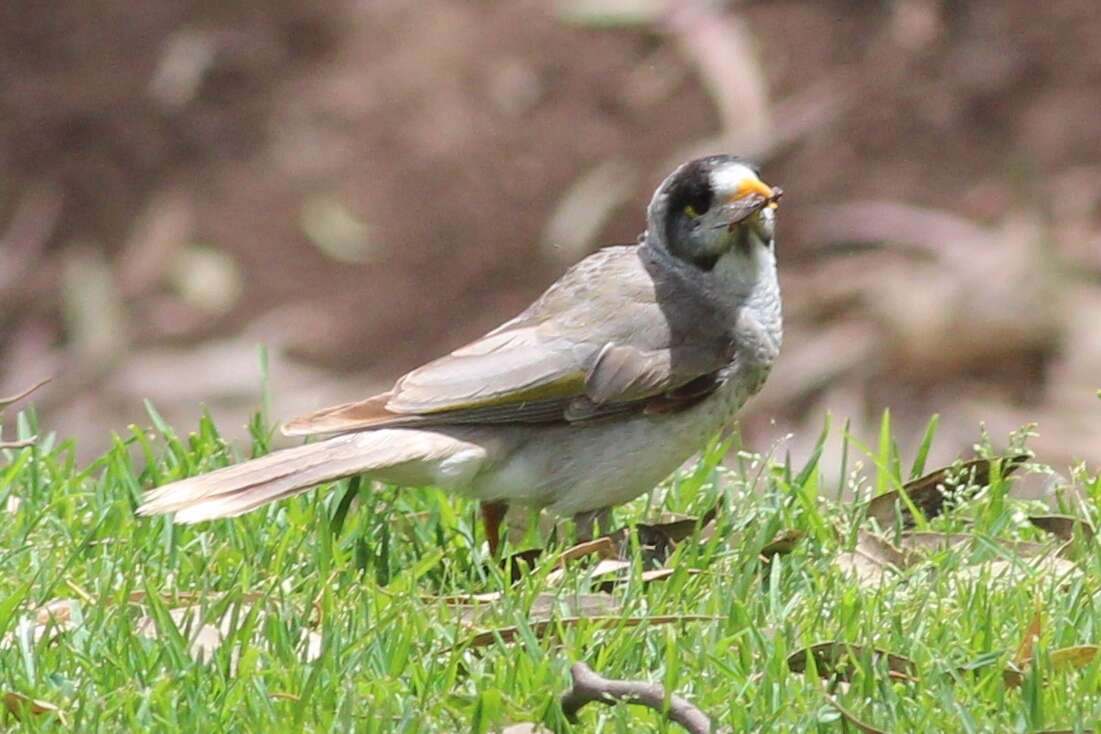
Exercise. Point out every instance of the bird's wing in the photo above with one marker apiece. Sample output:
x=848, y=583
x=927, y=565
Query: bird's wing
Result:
x=617, y=333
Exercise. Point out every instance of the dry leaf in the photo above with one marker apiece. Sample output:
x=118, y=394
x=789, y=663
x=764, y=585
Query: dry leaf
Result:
x=487, y=597
x=545, y=606
x=870, y=560
x=646, y=577
x=1064, y=658
x=925, y=542
x=931, y=541
x=1013, y=675
x=206, y=638
x=540, y=629
x=1074, y=657
x=188, y=598
x=929, y=493
x=1063, y=526
x=658, y=540
x=604, y=547
x=609, y=566
x=283, y=696
x=477, y=607
x=1027, y=549
x=525, y=728
x=602, y=568
x=850, y=717
x=783, y=543
x=59, y=611
x=312, y=641
x=672, y=530
x=658, y=574
x=520, y=563
x=56, y=617
x=19, y=705
x=1015, y=570
x=1023, y=658
x=837, y=658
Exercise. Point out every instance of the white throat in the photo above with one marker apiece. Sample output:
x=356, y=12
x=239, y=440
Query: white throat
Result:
x=731, y=176
x=739, y=272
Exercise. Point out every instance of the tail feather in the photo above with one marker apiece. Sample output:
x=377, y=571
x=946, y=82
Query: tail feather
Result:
x=238, y=489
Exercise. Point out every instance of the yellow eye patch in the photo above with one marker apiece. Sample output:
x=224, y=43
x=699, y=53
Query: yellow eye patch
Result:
x=690, y=212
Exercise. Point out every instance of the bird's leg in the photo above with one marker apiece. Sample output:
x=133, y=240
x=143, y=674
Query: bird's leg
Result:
x=492, y=515
x=587, y=523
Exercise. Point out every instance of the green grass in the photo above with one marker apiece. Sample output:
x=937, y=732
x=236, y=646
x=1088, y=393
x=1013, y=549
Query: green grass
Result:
x=366, y=580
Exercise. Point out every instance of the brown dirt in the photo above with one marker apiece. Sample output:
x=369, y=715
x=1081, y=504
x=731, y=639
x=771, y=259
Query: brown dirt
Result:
x=453, y=128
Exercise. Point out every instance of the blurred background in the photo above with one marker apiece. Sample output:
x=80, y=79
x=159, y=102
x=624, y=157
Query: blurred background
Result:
x=364, y=185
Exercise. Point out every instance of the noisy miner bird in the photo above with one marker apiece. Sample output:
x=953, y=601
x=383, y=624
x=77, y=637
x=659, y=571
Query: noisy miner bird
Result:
x=606, y=384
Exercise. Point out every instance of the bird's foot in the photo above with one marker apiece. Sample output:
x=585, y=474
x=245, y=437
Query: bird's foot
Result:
x=493, y=513
x=588, y=524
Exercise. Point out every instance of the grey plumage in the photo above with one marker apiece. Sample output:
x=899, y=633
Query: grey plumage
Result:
x=614, y=376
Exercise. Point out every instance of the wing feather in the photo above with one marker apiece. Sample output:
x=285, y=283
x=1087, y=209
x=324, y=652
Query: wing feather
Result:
x=523, y=368
x=617, y=333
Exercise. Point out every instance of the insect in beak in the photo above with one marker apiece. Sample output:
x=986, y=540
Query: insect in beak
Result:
x=750, y=198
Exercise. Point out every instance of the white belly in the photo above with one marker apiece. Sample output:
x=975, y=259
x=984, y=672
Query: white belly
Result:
x=571, y=469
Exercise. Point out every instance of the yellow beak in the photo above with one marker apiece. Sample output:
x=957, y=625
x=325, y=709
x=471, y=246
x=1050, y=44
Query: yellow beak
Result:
x=752, y=186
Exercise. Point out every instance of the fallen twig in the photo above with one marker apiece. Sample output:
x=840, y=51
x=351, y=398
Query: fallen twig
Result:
x=588, y=686
x=5, y=402
x=21, y=444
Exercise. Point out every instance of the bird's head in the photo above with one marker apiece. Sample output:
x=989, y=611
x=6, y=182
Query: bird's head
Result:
x=710, y=207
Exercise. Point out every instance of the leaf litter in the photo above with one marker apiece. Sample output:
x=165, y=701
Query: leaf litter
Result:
x=548, y=627
x=874, y=559
x=185, y=609
x=20, y=705
x=474, y=609
x=933, y=493
x=838, y=659
x=549, y=611
x=1064, y=527
x=205, y=636
x=871, y=560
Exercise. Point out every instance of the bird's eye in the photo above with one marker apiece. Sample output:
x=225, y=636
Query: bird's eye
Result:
x=698, y=202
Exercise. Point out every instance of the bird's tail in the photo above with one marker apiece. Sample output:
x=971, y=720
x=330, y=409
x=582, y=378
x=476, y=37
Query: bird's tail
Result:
x=238, y=489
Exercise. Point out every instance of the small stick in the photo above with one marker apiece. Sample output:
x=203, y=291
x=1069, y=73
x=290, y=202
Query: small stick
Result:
x=588, y=686
x=24, y=443
x=5, y=402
